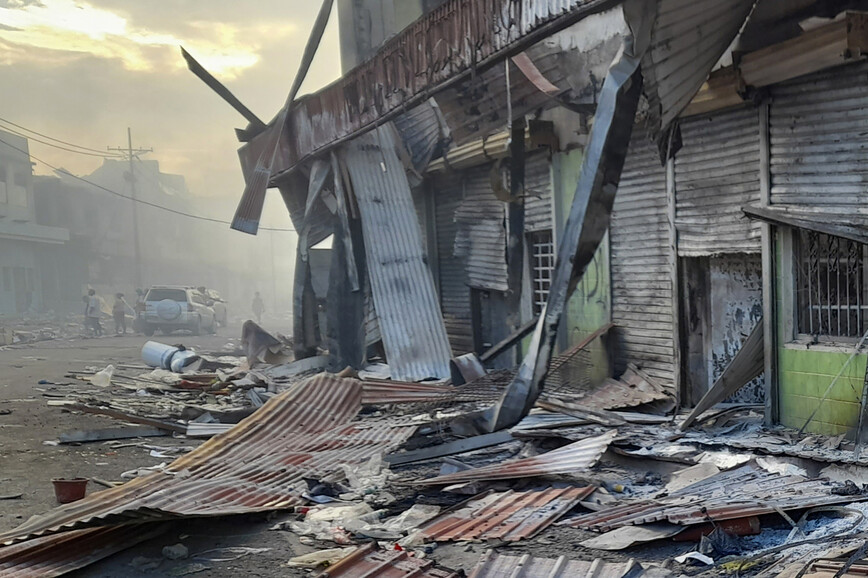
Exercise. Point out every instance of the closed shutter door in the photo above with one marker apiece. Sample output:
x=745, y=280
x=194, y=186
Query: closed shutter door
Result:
x=819, y=139
x=481, y=235
x=640, y=263
x=538, y=185
x=716, y=174
x=454, y=292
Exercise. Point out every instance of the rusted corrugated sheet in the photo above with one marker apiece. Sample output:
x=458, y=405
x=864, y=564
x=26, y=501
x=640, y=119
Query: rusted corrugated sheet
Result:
x=405, y=299
x=717, y=172
x=384, y=391
x=741, y=493
x=57, y=555
x=818, y=140
x=370, y=561
x=640, y=257
x=688, y=39
x=508, y=516
x=574, y=457
x=259, y=465
x=417, y=63
x=494, y=565
x=481, y=237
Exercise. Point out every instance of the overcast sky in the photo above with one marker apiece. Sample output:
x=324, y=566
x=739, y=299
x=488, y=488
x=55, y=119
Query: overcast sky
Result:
x=83, y=71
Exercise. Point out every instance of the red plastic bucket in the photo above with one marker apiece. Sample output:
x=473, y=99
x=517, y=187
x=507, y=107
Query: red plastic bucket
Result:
x=69, y=490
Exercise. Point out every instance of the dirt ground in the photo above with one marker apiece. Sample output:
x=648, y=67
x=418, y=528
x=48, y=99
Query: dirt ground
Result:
x=27, y=464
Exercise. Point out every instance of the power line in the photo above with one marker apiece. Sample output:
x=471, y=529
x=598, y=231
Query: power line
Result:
x=90, y=151
x=117, y=194
x=63, y=148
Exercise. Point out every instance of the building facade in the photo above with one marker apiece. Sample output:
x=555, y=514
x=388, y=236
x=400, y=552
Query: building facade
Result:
x=746, y=216
x=28, y=250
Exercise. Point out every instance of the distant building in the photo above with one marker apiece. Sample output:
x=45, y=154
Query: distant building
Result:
x=29, y=279
x=174, y=248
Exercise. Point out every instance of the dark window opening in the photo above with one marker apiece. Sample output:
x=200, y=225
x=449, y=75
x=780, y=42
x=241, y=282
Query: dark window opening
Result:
x=543, y=265
x=178, y=295
x=830, y=285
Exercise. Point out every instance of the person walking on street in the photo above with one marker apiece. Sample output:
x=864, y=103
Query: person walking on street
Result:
x=93, y=313
x=258, y=307
x=119, y=313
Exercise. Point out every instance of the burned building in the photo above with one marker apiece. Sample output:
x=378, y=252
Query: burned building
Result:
x=743, y=215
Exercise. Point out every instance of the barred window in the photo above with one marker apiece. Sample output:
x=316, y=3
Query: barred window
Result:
x=543, y=263
x=830, y=285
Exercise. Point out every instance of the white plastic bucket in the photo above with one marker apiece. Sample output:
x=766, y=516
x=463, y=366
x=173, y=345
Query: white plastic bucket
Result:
x=158, y=354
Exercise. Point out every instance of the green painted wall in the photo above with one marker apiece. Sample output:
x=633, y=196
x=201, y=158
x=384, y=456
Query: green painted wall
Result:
x=805, y=374
x=589, y=307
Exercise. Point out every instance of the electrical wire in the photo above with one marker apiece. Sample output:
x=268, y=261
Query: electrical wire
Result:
x=141, y=201
x=85, y=150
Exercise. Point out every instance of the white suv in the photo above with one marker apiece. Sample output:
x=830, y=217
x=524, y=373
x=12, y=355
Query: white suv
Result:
x=170, y=308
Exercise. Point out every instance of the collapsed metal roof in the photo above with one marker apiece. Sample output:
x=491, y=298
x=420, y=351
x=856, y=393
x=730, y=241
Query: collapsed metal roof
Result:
x=259, y=465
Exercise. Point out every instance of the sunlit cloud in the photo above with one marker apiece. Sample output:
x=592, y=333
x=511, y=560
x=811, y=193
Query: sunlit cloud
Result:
x=64, y=27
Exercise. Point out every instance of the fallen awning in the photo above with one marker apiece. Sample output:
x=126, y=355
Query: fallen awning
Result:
x=830, y=222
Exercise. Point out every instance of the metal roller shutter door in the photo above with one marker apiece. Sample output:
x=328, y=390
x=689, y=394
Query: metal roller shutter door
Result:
x=819, y=140
x=640, y=262
x=454, y=292
x=716, y=174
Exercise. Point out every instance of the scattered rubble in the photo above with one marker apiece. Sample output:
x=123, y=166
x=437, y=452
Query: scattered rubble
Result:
x=353, y=462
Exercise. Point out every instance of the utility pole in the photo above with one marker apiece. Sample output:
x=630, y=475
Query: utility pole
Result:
x=131, y=154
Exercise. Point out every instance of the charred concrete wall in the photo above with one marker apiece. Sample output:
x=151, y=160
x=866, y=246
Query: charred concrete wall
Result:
x=736, y=308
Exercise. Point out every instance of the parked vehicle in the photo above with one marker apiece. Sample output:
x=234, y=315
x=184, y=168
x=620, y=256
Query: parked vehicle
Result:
x=169, y=308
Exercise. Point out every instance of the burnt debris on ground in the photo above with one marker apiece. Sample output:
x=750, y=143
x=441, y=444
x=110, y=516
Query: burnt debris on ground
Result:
x=370, y=475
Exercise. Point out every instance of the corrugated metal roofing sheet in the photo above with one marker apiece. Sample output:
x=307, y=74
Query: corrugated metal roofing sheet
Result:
x=494, y=565
x=58, y=554
x=384, y=391
x=259, y=465
x=403, y=288
x=422, y=130
x=571, y=458
x=740, y=493
x=508, y=516
x=688, y=39
x=370, y=562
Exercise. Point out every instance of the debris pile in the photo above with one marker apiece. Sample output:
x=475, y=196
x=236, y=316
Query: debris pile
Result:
x=376, y=474
x=21, y=332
